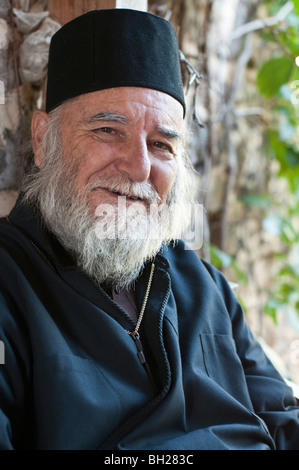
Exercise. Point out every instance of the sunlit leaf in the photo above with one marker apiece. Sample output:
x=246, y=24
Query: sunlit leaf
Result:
x=296, y=6
x=273, y=74
x=219, y=258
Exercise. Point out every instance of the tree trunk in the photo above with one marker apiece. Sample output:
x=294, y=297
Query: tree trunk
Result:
x=65, y=11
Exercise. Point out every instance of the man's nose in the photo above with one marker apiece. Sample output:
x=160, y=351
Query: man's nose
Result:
x=135, y=162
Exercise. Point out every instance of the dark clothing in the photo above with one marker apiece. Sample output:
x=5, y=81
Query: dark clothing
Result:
x=72, y=378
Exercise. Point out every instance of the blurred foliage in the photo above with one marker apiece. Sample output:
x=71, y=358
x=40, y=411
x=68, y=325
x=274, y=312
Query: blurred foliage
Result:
x=220, y=259
x=278, y=83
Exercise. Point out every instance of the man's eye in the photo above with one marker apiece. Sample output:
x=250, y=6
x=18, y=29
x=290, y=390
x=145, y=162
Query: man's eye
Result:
x=106, y=130
x=162, y=146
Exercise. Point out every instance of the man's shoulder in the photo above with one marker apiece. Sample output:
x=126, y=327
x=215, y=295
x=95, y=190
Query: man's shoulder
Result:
x=20, y=226
x=186, y=262
x=13, y=243
x=8, y=231
x=183, y=260
x=178, y=253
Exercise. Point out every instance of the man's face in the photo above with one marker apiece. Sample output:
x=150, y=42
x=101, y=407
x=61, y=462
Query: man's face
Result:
x=97, y=147
x=134, y=133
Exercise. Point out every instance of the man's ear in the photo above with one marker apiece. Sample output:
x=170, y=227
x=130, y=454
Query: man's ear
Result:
x=38, y=127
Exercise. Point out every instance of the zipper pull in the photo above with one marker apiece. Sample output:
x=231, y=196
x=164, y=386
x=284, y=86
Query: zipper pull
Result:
x=141, y=356
x=140, y=352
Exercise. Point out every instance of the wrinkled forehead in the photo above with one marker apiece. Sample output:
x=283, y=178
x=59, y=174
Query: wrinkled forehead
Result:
x=125, y=105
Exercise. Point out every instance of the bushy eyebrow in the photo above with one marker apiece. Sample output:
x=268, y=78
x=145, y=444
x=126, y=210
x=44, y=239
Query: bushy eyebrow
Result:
x=169, y=133
x=108, y=116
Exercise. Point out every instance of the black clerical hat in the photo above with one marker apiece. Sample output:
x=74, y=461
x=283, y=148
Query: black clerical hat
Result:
x=113, y=48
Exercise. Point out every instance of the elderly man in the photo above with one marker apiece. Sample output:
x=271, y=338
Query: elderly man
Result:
x=115, y=335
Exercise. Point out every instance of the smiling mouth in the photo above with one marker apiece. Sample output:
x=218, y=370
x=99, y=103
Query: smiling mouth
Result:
x=131, y=197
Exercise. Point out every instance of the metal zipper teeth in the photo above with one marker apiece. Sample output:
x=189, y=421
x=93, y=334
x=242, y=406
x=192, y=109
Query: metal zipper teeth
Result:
x=141, y=314
x=162, y=311
x=135, y=334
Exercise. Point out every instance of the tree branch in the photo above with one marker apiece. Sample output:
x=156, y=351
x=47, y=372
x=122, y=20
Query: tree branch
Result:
x=262, y=23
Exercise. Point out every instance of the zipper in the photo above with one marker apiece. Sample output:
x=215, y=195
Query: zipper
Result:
x=135, y=334
x=141, y=356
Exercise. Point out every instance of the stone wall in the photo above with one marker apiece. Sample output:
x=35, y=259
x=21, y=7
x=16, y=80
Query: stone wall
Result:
x=25, y=34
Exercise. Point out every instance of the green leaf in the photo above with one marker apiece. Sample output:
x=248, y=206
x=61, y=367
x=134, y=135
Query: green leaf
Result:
x=291, y=157
x=296, y=6
x=276, y=148
x=219, y=258
x=271, y=309
x=262, y=201
x=273, y=74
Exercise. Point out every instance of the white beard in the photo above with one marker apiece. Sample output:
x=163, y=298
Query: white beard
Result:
x=111, y=247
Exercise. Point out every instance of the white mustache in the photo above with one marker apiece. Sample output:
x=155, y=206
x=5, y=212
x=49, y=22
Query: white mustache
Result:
x=127, y=188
